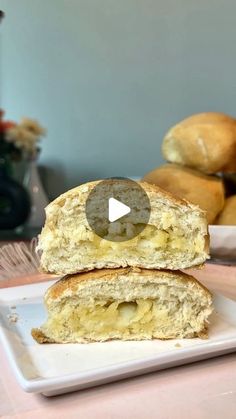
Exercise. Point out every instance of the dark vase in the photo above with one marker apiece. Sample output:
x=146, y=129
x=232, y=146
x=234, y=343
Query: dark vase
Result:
x=14, y=200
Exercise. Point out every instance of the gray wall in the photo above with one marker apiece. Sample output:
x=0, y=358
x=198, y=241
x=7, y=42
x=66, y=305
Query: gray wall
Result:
x=108, y=77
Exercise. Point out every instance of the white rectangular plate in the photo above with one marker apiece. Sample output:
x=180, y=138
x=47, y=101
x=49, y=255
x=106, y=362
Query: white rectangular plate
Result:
x=54, y=369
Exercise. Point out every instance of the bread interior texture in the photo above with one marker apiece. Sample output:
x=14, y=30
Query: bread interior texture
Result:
x=174, y=238
x=126, y=309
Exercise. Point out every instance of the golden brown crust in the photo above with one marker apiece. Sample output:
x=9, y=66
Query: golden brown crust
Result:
x=206, y=142
x=40, y=337
x=230, y=167
x=205, y=191
x=206, y=117
x=71, y=282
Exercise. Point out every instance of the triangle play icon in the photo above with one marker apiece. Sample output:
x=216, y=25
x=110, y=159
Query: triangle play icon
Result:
x=116, y=209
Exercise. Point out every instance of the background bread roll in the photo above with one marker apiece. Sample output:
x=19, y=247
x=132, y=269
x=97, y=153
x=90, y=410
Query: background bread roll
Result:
x=205, y=117
x=127, y=304
x=206, y=142
x=175, y=237
x=195, y=187
x=228, y=215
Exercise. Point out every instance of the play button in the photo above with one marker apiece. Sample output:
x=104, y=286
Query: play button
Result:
x=117, y=209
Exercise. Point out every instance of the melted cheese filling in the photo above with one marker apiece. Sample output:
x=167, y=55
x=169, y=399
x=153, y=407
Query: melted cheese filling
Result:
x=150, y=237
x=151, y=318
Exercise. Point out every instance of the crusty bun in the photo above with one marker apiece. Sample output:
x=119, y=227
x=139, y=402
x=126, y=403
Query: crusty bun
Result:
x=127, y=304
x=230, y=167
x=202, y=190
x=228, y=215
x=206, y=142
x=176, y=236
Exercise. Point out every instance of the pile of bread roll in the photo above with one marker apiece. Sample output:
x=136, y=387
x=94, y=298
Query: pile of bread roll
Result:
x=201, y=153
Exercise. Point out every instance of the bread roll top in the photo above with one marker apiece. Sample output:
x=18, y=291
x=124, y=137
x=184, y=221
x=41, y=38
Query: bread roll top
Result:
x=206, y=142
x=175, y=237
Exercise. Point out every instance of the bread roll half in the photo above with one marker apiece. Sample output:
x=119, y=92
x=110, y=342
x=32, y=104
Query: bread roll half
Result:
x=175, y=237
x=127, y=304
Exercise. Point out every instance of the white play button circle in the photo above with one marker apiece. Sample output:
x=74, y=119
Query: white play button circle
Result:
x=116, y=210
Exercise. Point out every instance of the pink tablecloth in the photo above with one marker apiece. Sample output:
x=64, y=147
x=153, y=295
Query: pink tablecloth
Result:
x=203, y=390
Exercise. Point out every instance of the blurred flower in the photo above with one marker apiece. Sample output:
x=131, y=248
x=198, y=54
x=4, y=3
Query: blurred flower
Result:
x=23, y=139
x=33, y=126
x=5, y=125
x=20, y=140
